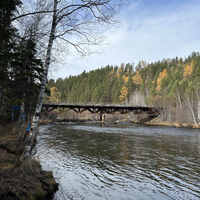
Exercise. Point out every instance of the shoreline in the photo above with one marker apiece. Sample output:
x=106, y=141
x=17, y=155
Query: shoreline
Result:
x=20, y=180
x=145, y=121
x=175, y=124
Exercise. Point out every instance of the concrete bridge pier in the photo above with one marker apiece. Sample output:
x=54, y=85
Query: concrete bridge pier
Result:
x=102, y=117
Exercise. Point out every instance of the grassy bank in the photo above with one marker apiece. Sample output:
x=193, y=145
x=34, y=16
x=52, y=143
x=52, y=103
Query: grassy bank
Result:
x=21, y=180
x=159, y=122
x=155, y=121
x=177, y=125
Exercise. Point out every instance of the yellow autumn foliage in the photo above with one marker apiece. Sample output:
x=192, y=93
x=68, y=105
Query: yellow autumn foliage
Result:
x=125, y=78
x=160, y=78
x=188, y=70
x=137, y=79
x=55, y=95
x=124, y=92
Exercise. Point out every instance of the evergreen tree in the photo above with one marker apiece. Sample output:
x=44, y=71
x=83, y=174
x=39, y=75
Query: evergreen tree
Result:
x=116, y=99
x=8, y=42
x=96, y=95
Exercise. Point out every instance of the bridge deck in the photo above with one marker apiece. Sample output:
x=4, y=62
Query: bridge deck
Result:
x=101, y=108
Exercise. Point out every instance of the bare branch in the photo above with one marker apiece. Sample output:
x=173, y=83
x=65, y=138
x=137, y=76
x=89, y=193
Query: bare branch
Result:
x=33, y=13
x=76, y=46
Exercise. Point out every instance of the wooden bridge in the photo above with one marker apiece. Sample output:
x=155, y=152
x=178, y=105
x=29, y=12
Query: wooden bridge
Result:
x=100, y=108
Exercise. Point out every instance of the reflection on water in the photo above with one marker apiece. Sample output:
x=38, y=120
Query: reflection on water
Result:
x=121, y=161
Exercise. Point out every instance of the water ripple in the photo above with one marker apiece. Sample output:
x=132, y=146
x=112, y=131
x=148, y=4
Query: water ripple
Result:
x=121, y=162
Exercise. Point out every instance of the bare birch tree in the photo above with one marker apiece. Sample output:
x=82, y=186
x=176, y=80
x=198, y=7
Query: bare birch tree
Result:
x=78, y=23
x=189, y=97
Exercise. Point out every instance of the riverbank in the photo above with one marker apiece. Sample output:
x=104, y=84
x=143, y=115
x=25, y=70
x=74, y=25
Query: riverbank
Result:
x=177, y=125
x=158, y=122
x=21, y=180
x=149, y=120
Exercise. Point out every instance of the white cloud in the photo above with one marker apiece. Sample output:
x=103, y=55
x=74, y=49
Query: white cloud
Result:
x=146, y=36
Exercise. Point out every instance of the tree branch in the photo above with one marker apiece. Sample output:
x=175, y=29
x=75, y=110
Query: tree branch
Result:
x=33, y=13
x=77, y=47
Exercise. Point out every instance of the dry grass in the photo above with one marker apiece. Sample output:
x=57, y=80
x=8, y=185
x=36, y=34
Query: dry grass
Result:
x=178, y=125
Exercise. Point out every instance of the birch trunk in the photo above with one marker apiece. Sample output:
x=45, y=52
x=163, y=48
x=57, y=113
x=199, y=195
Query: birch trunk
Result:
x=198, y=106
x=178, y=97
x=35, y=119
x=170, y=113
x=192, y=111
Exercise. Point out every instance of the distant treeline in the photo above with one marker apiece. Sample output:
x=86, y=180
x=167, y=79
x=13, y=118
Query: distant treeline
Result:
x=172, y=83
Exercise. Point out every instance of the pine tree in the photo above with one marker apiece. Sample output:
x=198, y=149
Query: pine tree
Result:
x=96, y=95
x=116, y=97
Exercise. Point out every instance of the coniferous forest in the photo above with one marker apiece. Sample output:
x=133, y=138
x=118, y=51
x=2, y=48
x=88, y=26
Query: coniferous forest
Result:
x=171, y=83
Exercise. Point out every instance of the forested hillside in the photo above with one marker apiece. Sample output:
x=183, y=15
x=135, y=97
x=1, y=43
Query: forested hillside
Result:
x=170, y=83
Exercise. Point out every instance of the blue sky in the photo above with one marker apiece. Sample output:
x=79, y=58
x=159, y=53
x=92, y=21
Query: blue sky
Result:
x=151, y=30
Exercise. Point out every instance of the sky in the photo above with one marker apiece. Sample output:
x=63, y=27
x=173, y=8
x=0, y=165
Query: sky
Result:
x=151, y=30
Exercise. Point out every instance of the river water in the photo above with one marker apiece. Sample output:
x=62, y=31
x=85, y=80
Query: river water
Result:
x=121, y=161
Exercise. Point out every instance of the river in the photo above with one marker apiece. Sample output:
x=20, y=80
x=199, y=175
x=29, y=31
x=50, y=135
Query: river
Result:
x=121, y=161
